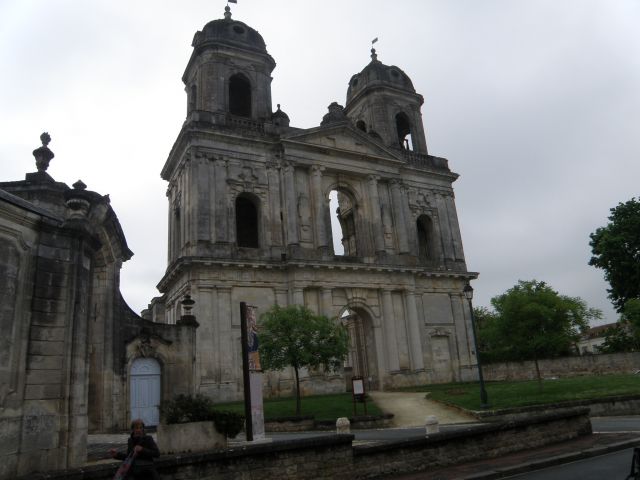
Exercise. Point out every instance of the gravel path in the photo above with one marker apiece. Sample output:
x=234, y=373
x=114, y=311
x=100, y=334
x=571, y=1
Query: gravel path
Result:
x=411, y=409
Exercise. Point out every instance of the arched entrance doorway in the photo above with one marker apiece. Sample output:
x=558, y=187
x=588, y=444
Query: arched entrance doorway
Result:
x=362, y=347
x=145, y=390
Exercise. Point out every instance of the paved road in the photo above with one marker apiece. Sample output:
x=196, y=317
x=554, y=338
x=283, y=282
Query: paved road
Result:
x=616, y=424
x=612, y=466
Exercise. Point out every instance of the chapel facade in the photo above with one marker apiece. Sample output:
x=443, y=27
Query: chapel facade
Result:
x=250, y=220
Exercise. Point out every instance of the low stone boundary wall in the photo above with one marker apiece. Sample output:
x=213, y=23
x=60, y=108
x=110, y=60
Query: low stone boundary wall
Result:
x=602, y=364
x=304, y=424
x=473, y=443
x=618, y=405
x=333, y=457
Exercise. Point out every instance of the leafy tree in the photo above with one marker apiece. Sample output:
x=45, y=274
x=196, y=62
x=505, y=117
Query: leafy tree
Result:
x=533, y=321
x=294, y=336
x=616, y=250
x=625, y=335
x=617, y=338
x=488, y=345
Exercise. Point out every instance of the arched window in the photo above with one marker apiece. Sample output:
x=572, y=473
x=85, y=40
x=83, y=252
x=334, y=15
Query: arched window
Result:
x=403, y=127
x=425, y=239
x=247, y=221
x=239, y=96
x=343, y=223
x=361, y=125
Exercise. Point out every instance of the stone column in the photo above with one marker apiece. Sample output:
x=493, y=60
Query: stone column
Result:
x=389, y=326
x=376, y=221
x=203, y=201
x=274, y=228
x=225, y=331
x=399, y=216
x=327, y=302
x=293, y=237
x=220, y=201
x=318, y=204
x=297, y=296
x=415, y=343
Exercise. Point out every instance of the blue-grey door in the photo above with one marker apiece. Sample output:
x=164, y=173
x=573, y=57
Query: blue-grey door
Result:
x=145, y=390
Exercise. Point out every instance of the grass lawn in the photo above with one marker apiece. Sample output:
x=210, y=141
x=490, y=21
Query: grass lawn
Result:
x=322, y=407
x=518, y=394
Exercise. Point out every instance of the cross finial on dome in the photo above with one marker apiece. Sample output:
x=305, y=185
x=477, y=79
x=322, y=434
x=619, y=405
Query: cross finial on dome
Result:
x=374, y=56
x=227, y=9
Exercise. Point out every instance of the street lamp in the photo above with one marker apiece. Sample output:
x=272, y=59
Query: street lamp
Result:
x=468, y=293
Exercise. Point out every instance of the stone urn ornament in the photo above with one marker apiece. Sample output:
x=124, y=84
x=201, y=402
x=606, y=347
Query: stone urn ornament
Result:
x=43, y=154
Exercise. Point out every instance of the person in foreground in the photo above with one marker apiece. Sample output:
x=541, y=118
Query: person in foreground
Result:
x=142, y=449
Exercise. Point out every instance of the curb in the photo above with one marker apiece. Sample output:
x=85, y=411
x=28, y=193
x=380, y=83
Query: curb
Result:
x=552, y=461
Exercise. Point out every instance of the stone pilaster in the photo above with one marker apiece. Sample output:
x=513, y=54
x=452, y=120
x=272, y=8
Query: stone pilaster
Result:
x=220, y=210
x=415, y=343
x=227, y=367
x=319, y=204
x=399, y=216
x=389, y=326
x=376, y=221
x=293, y=237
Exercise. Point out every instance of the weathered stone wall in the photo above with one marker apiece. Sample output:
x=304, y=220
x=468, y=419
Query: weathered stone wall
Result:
x=67, y=334
x=603, y=364
x=333, y=457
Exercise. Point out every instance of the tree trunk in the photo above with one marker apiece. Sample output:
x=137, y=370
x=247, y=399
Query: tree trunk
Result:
x=298, y=409
x=539, y=377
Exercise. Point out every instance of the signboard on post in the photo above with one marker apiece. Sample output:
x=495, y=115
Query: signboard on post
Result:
x=359, y=395
x=252, y=374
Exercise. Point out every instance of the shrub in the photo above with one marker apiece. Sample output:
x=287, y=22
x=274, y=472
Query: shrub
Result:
x=185, y=409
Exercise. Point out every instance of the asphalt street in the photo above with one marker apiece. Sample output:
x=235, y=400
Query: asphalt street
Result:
x=612, y=466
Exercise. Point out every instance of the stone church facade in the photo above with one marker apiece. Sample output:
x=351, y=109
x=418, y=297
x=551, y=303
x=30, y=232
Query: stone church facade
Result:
x=250, y=220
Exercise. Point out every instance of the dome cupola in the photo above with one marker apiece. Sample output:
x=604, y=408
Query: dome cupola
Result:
x=229, y=73
x=382, y=101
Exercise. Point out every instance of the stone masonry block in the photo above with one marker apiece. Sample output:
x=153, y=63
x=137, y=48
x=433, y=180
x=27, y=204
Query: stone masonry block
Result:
x=55, y=267
x=41, y=362
x=47, y=319
x=54, y=252
x=49, y=306
x=46, y=348
x=45, y=392
x=9, y=435
x=44, y=377
x=53, y=334
x=59, y=278
x=48, y=291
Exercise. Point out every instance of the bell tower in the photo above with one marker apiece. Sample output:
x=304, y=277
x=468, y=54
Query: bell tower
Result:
x=250, y=220
x=229, y=73
x=381, y=101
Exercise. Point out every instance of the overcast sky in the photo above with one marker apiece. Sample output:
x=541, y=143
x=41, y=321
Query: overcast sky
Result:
x=536, y=104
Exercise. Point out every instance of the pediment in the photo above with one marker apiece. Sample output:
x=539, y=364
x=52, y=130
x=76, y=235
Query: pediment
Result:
x=342, y=138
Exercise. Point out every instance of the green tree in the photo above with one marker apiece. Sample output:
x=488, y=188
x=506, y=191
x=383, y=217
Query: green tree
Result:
x=616, y=250
x=533, y=322
x=486, y=327
x=294, y=336
x=624, y=336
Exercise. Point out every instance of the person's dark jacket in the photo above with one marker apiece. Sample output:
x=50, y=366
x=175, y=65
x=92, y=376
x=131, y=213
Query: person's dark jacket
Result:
x=144, y=458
